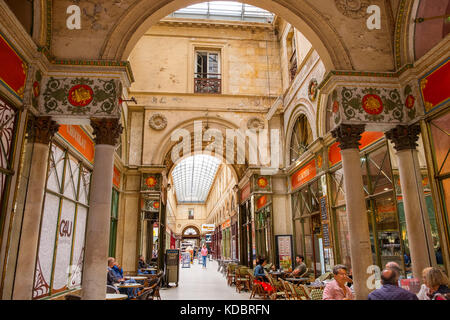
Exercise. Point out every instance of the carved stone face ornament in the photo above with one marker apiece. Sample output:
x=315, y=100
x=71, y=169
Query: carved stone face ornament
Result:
x=255, y=123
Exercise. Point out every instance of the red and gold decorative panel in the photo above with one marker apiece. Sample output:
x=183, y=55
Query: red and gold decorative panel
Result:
x=116, y=177
x=434, y=86
x=13, y=70
x=261, y=202
x=303, y=175
x=78, y=139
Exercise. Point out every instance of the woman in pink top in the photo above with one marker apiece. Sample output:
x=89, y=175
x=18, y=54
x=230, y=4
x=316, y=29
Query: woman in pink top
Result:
x=337, y=289
x=204, y=253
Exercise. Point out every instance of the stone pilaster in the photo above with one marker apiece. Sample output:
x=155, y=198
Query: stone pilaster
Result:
x=42, y=129
x=360, y=250
x=418, y=226
x=107, y=133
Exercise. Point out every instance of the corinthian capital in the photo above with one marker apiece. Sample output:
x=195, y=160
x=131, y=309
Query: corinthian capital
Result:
x=348, y=135
x=42, y=129
x=404, y=137
x=106, y=130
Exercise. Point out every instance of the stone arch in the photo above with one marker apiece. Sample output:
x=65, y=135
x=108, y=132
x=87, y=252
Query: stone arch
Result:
x=124, y=35
x=195, y=227
x=299, y=110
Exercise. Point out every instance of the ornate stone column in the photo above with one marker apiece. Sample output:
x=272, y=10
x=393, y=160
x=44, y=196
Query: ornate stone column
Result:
x=106, y=132
x=416, y=215
x=42, y=130
x=360, y=250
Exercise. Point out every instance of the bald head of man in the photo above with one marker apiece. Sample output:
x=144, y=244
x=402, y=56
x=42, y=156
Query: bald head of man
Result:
x=389, y=276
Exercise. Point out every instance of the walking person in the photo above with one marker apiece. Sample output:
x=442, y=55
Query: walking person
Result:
x=204, y=254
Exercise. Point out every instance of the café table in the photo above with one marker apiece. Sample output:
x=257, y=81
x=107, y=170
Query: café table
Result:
x=277, y=274
x=297, y=280
x=129, y=285
x=137, y=278
x=116, y=296
x=150, y=269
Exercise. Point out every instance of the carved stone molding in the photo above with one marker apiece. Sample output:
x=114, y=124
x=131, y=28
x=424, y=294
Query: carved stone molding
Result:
x=158, y=121
x=106, y=130
x=404, y=137
x=348, y=135
x=42, y=129
x=255, y=123
x=354, y=9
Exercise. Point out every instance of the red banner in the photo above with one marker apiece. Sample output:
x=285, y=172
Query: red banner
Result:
x=116, y=177
x=435, y=86
x=13, y=70
x=261, y=202
x=367, y=138
x=245, y=192
x=303, y=175
x=78, y=139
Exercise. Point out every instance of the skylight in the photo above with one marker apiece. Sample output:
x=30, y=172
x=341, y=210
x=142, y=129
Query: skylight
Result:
x=224, y=10
x=193, y=177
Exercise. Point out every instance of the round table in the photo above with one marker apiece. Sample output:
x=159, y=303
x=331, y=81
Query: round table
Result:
x=129, y=285
x=300, y=280
x=116, y=296
x=136, y=277
x=150, y=269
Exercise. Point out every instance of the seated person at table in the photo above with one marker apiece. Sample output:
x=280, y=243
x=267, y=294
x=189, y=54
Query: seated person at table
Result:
x=336, y=289
x=300, y=269
x=115, y=275
x=259, y=270
x=142, y=265
x=390, y=289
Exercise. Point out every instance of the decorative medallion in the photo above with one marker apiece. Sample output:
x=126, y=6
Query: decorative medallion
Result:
x=354, y=9
x=312, y=90
x=372, y=104
x=262, y=182
x=80, y=95
x=255, y=123
x=156, y=205
x=410, y=101
x=151, y=182
x=158, y=121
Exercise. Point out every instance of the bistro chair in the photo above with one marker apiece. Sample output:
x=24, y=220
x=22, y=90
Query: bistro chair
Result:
x=231, y=273
x=278, y=288
x=111, y=289
x=325, y=276
x=287, y=290
x=241, y=279
x=257, y=288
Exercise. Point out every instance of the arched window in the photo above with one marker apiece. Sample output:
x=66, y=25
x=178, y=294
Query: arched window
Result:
x=301, y=137
x=190, y=232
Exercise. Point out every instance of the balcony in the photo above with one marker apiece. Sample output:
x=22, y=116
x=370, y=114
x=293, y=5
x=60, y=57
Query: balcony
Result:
x=208, y=83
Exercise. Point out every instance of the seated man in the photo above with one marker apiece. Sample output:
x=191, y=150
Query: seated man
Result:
x=142, y=265
x=300, y=269
x=336, y=289
x=115, y=275
x=390, y=289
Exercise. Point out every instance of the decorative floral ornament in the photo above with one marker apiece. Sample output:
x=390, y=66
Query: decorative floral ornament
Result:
x=262, y=182
x=312, y=90
x=335, y=106
x=372, y=104
x=156, y=204
x=150, y=182
x=410, y=101
x=158, y=121
x=255, y=123
x=354, y=9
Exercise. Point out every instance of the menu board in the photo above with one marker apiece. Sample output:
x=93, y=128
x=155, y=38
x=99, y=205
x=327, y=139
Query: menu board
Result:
x=186, y=260
x=284, y=251
x=323, y=208
x=325, y=235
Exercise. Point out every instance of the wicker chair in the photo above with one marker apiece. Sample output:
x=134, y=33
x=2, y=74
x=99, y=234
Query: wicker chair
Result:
x=297, y=293
x=257, y=288
x=286, y=288
x=279, y=291
x=242, y=279
x=231, y=274
x=111, y=289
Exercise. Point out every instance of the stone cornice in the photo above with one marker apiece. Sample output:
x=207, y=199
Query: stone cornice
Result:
x=229, y=24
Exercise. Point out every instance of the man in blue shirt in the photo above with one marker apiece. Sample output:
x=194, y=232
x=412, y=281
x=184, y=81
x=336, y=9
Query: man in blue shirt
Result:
x=115, y=274
x=390, y=289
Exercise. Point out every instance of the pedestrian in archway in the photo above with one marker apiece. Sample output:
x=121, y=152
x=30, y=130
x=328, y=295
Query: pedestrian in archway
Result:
x=204, y=253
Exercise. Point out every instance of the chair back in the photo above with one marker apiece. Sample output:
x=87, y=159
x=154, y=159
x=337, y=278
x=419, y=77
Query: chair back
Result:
x=325, y=276
x=111, y=289
x=316, y=294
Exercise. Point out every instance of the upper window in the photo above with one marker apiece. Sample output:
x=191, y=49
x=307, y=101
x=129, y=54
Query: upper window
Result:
x=191, y=214
x=208, y=78
x=301, y=137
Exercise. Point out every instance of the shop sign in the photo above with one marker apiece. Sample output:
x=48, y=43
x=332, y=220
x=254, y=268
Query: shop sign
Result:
x=208, y=238
x=245, y=192
x=79, y=140
x=367, y=139
x=208, y=227
x=434, y=86
x=324, y=220
x=303, y=175
x=116, y=177
x=13, y=73
x=226, y=224
x=261, y=202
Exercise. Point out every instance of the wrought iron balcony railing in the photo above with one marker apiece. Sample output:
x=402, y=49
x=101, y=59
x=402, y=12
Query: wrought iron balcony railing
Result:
x=208, y=83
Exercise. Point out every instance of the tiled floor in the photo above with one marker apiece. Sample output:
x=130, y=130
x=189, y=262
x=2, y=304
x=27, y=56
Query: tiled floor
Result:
x=196, y=283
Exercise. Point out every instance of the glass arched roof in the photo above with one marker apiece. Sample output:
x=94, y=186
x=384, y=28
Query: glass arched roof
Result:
x=224, y=10
x=193, y=178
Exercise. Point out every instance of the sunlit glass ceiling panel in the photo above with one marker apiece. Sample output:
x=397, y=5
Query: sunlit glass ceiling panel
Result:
x=193, y=178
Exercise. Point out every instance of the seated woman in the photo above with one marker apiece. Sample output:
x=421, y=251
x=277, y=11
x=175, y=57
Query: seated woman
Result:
x=259, y=270
x=437, y=283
